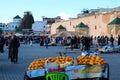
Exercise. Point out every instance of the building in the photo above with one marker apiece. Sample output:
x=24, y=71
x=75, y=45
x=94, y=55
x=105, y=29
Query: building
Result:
x=50, y=21
x=114, y=26
x=96, y=21
x=39, y=26
x=13, y=25
x=3, y=26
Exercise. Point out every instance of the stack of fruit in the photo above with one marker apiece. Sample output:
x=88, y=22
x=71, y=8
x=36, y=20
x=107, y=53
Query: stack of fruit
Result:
x=60, y=60
x=66, y=61
x=37, y=64
x=92, y=59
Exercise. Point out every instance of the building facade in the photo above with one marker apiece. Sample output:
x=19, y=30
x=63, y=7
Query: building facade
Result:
x=50, y=21
x=96, y=22
x=39, y=26
x=13, y=25
x=3, y=26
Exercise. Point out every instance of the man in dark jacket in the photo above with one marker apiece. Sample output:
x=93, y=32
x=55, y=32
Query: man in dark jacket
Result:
x=118, y=40
x=85, y=43
x=2, y=42
x=13, y=48
x=112, y=40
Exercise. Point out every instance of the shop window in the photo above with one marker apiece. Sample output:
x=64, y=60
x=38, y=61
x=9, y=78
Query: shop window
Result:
x=95, y=16
x=70, y=23
x=95, y=27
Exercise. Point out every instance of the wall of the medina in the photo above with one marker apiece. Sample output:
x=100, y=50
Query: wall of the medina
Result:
x=97, y=23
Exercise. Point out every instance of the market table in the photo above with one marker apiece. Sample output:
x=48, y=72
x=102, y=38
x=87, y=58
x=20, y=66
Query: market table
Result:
x=75, y=72
x=80, y=67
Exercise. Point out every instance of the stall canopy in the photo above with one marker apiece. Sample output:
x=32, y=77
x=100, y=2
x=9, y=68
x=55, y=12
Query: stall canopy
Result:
x=64, y=34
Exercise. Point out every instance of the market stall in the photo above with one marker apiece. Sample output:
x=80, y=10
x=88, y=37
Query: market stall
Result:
x=109, y=49
x=81, y=68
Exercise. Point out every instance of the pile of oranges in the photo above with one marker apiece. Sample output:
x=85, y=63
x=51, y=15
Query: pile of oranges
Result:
x=40, y=63
x=92, y=59
x=37, y=64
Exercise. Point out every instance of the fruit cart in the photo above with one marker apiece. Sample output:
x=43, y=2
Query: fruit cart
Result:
x=83, y=68
x=88, y=72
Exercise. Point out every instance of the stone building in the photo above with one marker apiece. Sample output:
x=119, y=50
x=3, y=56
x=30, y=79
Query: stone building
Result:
x=97, y=23
x=114, y=27
x=50, y=21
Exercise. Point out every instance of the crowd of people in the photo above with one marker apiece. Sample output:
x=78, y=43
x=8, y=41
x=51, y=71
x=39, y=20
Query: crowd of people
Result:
x=83, y=43
x=104, y=40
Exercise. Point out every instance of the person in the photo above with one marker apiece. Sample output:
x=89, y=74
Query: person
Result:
x=31, y=41
x=41, y=42
x=46, y=41
x=2, y=42
x=118, y=40
x=85, y=43
x=112, y=40
x=13, y=48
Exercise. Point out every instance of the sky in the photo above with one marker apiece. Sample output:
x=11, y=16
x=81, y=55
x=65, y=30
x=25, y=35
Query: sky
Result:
x=50, y=8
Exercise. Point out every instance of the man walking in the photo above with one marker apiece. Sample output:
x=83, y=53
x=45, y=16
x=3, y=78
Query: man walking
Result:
x=13, y=48
x=2, y=42
x=46, y=42
x=112, y=40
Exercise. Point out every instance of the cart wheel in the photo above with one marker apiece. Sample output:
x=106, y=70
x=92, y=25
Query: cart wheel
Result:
x=26, y=77
x=107, y=65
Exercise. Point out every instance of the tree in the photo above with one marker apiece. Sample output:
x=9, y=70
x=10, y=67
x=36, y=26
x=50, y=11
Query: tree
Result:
x=27, y=21
x=18, y=29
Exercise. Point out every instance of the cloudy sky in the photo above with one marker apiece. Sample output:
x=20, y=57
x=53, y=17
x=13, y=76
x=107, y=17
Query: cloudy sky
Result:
x=50, y=8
